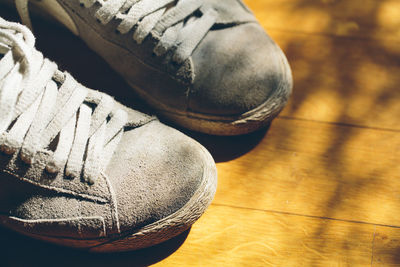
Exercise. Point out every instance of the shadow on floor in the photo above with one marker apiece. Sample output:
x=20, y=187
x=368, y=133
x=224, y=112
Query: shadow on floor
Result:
x=18, y=250
x=227, y=148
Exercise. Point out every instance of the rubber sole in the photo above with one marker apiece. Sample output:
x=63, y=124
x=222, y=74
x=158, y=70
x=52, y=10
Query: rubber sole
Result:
x=156, y=232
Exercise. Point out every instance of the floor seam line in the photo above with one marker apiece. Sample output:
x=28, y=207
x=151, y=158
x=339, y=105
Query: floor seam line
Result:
x=340, y=124
x=307, y=216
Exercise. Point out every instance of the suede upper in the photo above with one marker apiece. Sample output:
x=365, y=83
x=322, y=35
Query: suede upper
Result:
x=251, y=72
x=154, y=172
x=234, y=69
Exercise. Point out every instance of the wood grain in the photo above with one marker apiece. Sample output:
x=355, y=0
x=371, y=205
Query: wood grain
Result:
x=372, y=19
x=346, y=80
x=318, y=169
x=229, y=236
x=386, y=250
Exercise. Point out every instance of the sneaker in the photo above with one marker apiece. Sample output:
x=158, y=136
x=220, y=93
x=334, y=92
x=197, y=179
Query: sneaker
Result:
x=81, y=170
x=206, y=65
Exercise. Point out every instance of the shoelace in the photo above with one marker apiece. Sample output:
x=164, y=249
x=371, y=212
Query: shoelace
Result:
x=38, y=103
x=175, y=27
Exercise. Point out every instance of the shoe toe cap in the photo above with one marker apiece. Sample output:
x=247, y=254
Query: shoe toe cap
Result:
x=236, y=70
x=155, y=172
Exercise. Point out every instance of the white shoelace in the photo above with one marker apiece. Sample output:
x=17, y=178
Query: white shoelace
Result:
x=170, y=21
x=41, y=107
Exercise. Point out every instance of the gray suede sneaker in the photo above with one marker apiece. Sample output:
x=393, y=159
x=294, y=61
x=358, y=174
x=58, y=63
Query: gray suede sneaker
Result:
x=206, y=65
x=79, y=169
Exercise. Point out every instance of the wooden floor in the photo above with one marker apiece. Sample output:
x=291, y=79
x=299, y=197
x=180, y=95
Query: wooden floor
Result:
x=320, y=187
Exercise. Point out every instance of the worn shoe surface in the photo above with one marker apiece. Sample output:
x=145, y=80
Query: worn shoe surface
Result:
x=79, y=169
x=204, y=64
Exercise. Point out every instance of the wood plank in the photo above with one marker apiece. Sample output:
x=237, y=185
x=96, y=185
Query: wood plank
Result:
x=357, y=18
x=344, y=80
x=235, y=237
x=386, y=247
x=318, y=169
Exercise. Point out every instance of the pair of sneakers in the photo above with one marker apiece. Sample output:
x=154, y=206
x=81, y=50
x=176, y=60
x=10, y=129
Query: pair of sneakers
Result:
x=82, y=170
